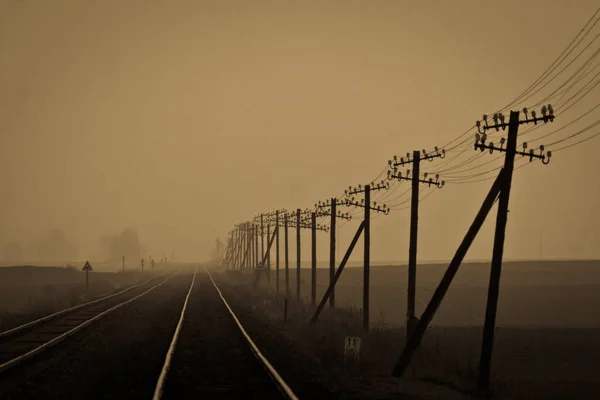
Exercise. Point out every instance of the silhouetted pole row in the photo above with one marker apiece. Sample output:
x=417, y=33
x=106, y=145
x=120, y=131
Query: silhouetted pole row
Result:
x=393, y=173
x=499, y=190
x=296, y=220
x=415, y=327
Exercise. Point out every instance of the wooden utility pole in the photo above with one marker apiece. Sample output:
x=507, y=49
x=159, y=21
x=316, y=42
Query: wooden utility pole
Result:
x=313, y=281
x=287, y=260
x=244, y=249
x=412, y=249
x=123, y=263
x=277, y=252
x=238, y=247
x=411, y=318
x=421, y=326
x=256, y=256
x=494, y=287
x=332, y=252
x=262, y=237
x=269, y=257
x=298, y=255
x=367, y=257
x=251, y=262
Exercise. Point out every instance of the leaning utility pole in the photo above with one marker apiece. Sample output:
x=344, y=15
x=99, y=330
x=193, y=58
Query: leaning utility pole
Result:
x=500, y=189
x=499, y=236
x=414, y=220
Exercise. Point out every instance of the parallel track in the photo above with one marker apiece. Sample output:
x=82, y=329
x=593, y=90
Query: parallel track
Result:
x=26, y=341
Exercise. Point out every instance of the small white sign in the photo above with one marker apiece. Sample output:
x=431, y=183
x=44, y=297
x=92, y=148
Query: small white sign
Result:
x=352, y=347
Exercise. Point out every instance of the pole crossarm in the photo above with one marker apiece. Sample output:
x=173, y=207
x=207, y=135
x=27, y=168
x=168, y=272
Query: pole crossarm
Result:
x=481, y=139
x=354, y=203
x=327, y=204
x=361, y=189
x=398, y=175
x=339, y=214
x=399, y=162
x=319, y=227
x=500, y=120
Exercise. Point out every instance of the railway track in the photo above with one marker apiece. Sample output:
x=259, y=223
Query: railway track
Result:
x=231, y=365
x=22, y=343
x=210, y=353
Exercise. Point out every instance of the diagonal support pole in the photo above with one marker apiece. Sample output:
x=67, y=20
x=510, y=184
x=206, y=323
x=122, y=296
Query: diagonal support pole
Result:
x=338, y=273
x=415, y=338
x=266, y=254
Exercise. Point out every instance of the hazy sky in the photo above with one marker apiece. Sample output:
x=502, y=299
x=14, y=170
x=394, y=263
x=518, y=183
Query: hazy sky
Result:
x=182, y=118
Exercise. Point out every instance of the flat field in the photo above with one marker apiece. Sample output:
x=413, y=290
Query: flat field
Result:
x=532, y=294
x=547, y=342
x=30, y=292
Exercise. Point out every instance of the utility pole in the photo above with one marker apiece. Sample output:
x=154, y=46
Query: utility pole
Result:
x=269, y=257
x=411, y=319
x=123, y=263
x=500, y=233
x=332, y=241
x=256, y=258
x=287, y=260
x=366, y=203
x=314, y=227
x=334, y=214
x=313, y=280
x=262, y=236
x=367, y=259
x=298, y=254
x=277, y=252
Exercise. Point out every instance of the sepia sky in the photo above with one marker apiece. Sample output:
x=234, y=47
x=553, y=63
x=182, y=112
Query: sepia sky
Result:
x=182, y=118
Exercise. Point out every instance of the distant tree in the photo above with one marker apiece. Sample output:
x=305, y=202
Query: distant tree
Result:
x=53, y=246
x=13, y=252
x=125, y=244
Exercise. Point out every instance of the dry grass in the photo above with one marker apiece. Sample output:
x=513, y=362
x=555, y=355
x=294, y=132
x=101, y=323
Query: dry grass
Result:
x=556, y=359
x=380, y=347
